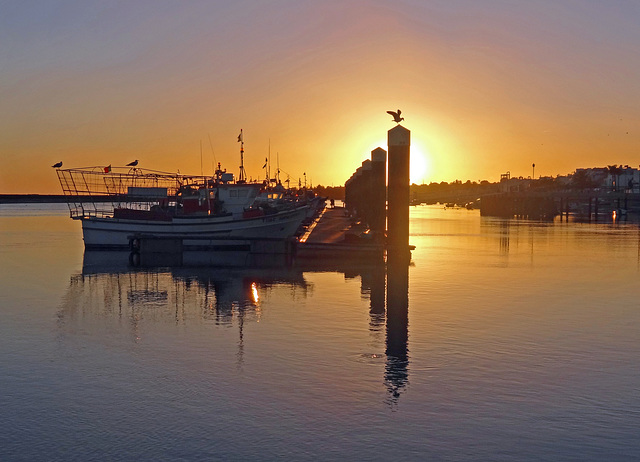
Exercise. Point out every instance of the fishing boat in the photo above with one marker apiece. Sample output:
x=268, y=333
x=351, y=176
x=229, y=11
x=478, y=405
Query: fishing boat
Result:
x=117, y=205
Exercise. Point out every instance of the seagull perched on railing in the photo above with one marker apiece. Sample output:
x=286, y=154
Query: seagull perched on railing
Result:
x=58, y=165
x=396, y=116
x=133, y=164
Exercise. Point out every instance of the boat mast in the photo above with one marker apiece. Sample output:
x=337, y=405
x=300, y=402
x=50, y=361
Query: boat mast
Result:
x=243, y=174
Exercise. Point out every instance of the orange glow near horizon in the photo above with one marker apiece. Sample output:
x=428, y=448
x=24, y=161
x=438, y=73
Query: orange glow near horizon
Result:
x=484, y=89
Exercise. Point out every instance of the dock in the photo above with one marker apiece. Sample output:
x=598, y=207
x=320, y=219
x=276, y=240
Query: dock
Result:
x=332, y=240
x=372, y=225
x=330, y=228
x=587, y=205
x=335, y=235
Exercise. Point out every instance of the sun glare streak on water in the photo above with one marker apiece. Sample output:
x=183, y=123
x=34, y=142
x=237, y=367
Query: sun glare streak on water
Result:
x=519, y=343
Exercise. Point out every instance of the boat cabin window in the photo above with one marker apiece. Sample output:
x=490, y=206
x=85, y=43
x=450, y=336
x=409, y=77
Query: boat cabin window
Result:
x=203, y=192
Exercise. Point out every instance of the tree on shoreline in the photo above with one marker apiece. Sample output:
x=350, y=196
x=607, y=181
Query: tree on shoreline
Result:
x=615, y=171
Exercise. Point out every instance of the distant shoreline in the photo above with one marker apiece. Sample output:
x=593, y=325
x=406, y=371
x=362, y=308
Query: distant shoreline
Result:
x=38, y=199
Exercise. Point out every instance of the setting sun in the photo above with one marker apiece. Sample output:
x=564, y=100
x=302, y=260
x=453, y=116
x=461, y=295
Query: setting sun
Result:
x=420, y=161
x=419, y=165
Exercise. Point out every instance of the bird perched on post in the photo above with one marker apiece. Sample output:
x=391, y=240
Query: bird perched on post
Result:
x=396, y=116
x=133, y=164
x=58, y=165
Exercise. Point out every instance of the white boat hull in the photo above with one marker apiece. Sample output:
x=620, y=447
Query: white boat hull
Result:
x=114, y=233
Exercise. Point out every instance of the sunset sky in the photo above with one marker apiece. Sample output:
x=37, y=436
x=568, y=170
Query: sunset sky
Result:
x=485, y=86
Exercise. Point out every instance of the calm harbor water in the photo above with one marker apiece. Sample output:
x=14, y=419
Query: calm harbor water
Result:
x=521, y=344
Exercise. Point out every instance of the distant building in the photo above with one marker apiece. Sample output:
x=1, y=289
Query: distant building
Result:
x=622, y=178
x=509, y=184
x=596, y=177
x=563, y=181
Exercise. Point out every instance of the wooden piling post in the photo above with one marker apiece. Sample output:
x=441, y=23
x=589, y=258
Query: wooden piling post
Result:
x=378, y=191
x=357, y=193
x=347, y=194
x=367, y=210
x=399, y=142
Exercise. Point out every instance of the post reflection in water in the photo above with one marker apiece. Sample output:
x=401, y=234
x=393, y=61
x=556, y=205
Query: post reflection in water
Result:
x=397, y=366
x=504, y=237
x=373, y=284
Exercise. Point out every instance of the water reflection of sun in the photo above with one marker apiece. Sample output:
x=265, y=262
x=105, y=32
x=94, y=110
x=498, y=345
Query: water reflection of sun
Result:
x=255, y=297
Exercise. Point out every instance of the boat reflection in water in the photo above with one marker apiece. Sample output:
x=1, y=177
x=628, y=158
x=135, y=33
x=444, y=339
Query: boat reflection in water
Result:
x=109, y=289
x=212, y=293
